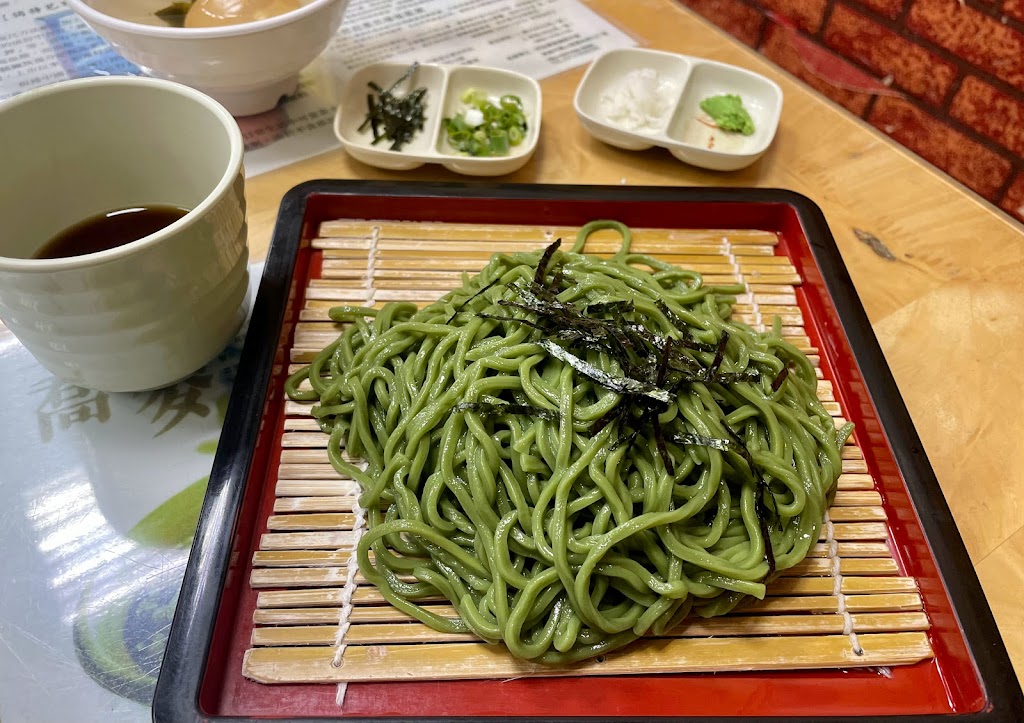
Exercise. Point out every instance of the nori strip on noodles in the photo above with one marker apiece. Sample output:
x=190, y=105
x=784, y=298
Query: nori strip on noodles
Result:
x=719, y=357
x=459, y=308
x=496, y=409
x=545, y=259
x=780, y=378
x=622, y=385
x=611, y=307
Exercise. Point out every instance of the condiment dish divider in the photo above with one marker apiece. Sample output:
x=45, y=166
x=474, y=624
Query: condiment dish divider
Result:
x=684, y=135
x=445, y=85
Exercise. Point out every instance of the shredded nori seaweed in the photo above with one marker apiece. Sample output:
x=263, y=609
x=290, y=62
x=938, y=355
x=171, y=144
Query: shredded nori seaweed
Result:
x=494, y=409
x=621, y=385
x=723, y=445
x=516, y=319
x=760, y=509
x=666, y=458
x=608, y=417
x=460, y=306
x=681, y=326
x=610, y=307
x=654, y=368
x=736, y=445
x=719, y=357
x=766, y=532
x=401, y=118
x=780, y=378
x=545, y=259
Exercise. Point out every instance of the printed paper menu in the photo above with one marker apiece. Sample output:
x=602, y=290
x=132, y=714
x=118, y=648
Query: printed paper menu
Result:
x=43, y=41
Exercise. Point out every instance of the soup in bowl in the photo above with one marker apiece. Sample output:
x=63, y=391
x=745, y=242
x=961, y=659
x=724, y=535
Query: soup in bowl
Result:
x=246, y=54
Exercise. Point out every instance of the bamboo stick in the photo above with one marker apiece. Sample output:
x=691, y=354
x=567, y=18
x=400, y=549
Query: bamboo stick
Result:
x=731, y=626
x=316, y=487
x=368, y=595
x=451, y=661
x=420, y=232
x=340, y=503
x=353, y=246
x=329, y=615
x=808, y=578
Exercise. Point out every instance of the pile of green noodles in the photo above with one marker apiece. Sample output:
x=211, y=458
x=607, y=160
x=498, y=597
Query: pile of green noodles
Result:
x=489, y=482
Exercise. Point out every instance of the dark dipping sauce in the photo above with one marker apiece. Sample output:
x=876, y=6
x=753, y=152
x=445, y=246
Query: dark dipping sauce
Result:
x=109, y=230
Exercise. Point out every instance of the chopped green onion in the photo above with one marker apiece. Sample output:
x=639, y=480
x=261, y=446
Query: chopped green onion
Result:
x=474, y=97
x=503, y=125
x=499, y=143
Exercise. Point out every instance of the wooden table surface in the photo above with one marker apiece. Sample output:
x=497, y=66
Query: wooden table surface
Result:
x=947, y=304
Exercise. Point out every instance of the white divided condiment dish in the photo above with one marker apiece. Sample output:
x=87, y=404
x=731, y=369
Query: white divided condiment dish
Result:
x=445, y=85
x=681, y=129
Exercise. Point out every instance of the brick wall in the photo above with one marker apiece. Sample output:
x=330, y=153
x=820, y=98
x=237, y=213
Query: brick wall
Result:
x=945, y=78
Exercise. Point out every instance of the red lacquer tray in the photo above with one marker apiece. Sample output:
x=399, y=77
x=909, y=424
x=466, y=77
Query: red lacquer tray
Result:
x=969, y=678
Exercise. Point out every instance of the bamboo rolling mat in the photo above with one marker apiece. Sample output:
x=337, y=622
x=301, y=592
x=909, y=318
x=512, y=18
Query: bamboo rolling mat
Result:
x=846, y=605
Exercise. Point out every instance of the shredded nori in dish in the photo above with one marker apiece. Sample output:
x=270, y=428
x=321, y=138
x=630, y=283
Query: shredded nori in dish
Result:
x=766, y=529
x=401, y=118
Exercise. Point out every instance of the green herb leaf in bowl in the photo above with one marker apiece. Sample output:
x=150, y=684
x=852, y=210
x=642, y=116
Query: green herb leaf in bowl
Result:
x=174, y=14
x=728, y=113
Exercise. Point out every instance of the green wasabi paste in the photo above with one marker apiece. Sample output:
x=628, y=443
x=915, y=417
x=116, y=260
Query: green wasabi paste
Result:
x=728, y=113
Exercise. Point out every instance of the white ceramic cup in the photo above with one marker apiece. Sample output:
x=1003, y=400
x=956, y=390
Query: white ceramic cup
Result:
x=148, y=313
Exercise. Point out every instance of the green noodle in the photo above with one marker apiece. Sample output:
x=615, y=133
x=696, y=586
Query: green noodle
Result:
x=561, y=506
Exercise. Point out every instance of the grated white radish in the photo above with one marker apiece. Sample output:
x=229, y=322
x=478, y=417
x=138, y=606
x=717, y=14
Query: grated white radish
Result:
x=640, y=101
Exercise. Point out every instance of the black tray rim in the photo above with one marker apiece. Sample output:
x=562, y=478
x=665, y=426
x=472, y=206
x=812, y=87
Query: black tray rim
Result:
x=181, y=673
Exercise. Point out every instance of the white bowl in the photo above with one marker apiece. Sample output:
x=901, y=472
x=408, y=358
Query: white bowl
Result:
x=246, y=67
x=445, y=84
x=682, y=133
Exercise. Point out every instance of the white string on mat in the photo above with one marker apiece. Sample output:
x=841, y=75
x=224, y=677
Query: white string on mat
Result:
x=758, y=319
x=347, y=593
x=359, y=524
x=837, y=585
x=371, y=267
